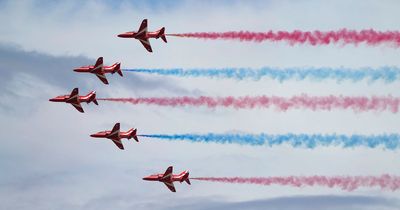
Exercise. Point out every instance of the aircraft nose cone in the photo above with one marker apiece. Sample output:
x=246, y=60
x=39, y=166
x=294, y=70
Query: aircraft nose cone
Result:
x=124, y=35
x=52, y=99
x=146, y=178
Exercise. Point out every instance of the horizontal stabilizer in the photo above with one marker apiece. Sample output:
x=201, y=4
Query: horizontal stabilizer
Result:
x=134, y=135
x=92, y=98
x=185, y=177
x=117, y=68
x=188, y=181
x=161, y=33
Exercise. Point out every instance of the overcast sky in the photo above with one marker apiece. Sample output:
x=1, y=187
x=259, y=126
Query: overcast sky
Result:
x=48, y=160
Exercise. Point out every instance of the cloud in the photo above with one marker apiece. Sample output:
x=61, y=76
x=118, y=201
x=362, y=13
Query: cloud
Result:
x=325, y=202
x=48, y=161
x=318, y=202
x=55, y=70
x=76, y=28
x=29, y=76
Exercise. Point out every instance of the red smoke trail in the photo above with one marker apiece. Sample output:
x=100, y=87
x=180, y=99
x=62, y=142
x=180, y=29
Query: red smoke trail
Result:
x=343, y=36
x=348, y=183
x=358, y=104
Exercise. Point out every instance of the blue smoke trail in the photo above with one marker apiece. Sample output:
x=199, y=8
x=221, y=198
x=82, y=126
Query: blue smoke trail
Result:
x=388, y=141
x=386, y=74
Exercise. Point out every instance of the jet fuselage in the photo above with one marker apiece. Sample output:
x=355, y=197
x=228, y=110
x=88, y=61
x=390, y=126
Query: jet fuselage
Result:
x=106, y=134
x=116, y=135
x=88, y=69
x=68, y=99
x=172, y=178
x=147, y=35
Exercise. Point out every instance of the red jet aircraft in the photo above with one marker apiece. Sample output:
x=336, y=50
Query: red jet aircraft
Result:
x=99, y=70
x=75, y=99
x=115, y=135
x=143, y=35
x=168, y=178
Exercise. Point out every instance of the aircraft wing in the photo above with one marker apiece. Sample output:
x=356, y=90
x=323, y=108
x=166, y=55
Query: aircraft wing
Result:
x=103, y=78
x=168, y=172
x=99, y=62
x=118, y=143
x=73, y=99
x=74, y=93
x=115, y=128
x=98, y=70
x=146, y=43
x=98, y=67
x=114, y=133
x=142, y=29
x=78, y=106
x=170, y=186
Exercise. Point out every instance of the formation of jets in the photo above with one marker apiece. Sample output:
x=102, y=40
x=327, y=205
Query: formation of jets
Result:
x=115, y=135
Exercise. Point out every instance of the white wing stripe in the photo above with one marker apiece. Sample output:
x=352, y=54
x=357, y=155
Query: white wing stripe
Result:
x=101, y=75
x=113, y=133
x=142, y=31
x=145, y=41
x=99, y=66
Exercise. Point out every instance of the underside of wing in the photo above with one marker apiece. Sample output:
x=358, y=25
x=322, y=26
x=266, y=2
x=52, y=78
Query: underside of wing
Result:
x=170, y=186
x=146, y=44
x=78, y=106
x=118, y=143
x=103, y=78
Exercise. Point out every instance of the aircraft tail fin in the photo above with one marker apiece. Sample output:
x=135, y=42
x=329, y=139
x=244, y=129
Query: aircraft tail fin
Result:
x=185, y=177
x=117, y=69
x=92, y=97
x=132, y=134
x=161, y=34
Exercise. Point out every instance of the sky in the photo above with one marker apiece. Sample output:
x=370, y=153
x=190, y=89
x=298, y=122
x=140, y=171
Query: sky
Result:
x=48, y=160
